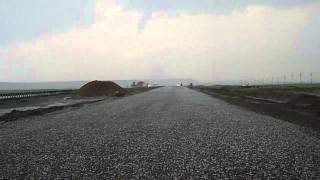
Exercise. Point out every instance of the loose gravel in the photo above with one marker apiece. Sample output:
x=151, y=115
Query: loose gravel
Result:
x=166, y=133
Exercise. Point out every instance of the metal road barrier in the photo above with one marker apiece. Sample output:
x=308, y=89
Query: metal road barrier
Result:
x=29, y=94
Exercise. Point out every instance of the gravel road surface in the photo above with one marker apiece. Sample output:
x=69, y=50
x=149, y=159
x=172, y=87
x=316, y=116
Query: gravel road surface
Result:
x=166, y=133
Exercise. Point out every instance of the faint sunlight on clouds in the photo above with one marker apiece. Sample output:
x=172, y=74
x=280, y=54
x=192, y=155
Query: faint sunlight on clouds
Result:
x=258, y=41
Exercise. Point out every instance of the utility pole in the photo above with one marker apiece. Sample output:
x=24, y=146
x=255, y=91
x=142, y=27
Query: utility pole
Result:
x=311, y=76
x=300, y=77
x=292, y=81
x=284, y=79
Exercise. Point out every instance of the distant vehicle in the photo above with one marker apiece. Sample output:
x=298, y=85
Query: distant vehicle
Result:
x=245, y=86
x=139, y=84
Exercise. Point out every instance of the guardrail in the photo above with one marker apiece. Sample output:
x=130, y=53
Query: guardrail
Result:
x=29, y=94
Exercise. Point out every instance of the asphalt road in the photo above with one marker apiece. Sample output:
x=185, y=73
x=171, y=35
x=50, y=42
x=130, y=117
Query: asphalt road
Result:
x=165, y=133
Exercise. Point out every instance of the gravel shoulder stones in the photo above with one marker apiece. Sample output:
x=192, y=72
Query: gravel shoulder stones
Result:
x=165, y=133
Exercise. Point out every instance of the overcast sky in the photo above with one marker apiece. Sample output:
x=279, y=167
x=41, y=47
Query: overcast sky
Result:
x=207, y=40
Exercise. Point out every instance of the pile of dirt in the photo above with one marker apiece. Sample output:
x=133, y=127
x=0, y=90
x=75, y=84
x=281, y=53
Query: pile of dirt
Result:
x=101, y=88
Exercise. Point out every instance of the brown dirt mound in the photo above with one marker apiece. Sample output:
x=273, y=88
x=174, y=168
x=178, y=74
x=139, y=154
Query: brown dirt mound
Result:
x=100, y=88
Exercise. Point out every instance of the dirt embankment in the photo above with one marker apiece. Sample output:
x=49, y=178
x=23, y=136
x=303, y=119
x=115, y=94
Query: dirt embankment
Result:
x=299, y=106
x=101, y=88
